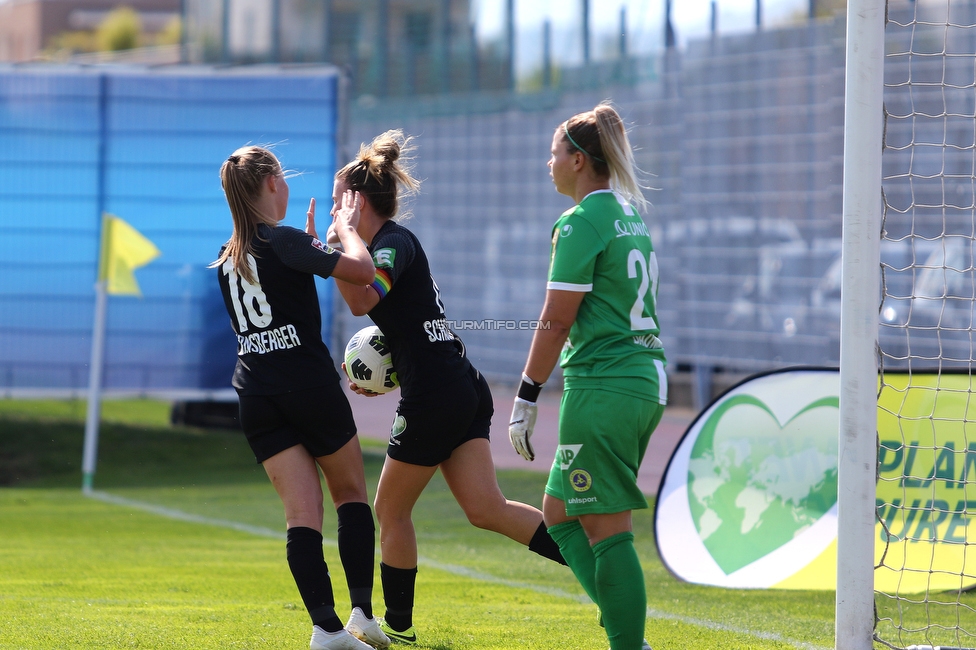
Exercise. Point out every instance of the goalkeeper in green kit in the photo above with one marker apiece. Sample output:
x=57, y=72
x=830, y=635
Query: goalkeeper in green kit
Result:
x=602, y=328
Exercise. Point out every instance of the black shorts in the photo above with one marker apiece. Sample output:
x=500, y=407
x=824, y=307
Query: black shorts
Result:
x=428, y=429
x=319, y=418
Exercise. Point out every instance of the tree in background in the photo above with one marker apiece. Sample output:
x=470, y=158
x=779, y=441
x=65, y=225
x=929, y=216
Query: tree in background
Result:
x=63, y=45
x=121, y=30
x=171, y=33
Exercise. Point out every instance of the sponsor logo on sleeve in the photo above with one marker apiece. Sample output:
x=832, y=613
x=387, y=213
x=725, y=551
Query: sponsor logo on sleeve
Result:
x=322, y=246
x=384, y=258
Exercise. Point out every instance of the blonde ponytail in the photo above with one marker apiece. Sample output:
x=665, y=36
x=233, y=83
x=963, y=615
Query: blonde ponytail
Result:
x=601, y=135
x=241, y=176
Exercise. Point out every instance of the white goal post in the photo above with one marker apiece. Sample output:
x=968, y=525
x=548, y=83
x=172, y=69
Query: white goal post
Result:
x=862, y=213
x=906, y=564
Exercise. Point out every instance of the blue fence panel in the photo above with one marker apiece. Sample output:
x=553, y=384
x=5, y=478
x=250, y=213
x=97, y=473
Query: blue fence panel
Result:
x=145, y=145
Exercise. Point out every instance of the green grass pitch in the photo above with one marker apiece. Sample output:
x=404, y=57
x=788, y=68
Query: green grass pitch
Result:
x=87, y=573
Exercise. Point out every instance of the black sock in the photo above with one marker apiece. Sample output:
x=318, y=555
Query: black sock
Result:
x=398, y=588
x=543, y=544
x=307, y=564
x=357, y=545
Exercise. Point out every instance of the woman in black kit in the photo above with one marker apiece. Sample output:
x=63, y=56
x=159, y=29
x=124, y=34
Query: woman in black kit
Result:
x=445, y=404
x=292, y=408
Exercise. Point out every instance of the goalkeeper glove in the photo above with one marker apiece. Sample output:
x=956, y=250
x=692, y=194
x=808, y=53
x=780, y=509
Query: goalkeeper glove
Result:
x=524, y=412
x=521, y=425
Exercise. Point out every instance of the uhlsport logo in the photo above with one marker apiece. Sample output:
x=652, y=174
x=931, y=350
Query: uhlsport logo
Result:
x=399, y=426
x=566, y=454
x=567, y=230
x=580, y=480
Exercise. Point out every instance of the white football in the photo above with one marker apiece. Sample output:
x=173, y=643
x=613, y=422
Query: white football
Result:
x=368, y=361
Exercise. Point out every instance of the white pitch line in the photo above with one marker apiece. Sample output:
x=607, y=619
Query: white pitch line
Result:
x=172, y=513
x=454, y=569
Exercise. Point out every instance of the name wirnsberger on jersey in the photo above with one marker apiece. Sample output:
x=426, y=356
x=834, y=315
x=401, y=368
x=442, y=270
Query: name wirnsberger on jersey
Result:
x=280, y=338
x=438, y=330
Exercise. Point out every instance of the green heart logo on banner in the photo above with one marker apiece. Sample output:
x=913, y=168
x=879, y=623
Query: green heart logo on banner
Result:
x=755, y=484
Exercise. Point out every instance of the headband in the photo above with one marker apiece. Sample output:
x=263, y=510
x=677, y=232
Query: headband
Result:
x=581, y=149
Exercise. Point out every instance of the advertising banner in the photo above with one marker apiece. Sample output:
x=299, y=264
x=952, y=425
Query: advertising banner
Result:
x=749, y=498
x=926, y=492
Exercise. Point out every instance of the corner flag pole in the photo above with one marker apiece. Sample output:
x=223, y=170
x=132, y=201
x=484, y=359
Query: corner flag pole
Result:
x=94, y=388
x=123, y=249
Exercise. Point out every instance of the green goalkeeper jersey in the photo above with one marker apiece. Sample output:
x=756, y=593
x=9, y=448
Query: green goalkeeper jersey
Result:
x=602, y=247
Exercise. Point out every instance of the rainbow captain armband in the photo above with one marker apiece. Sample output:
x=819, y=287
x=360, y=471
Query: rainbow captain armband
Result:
x=382, y=282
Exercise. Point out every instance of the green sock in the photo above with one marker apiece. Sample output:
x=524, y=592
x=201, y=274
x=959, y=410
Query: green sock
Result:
x=620, y=588
x=576, y=550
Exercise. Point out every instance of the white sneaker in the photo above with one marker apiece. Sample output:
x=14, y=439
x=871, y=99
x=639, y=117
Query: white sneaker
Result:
x=341, y=640
x=367, y=629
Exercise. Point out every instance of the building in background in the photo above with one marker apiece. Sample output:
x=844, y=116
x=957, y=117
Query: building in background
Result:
x=418, y=47
x=388, y=47
x=27, y=27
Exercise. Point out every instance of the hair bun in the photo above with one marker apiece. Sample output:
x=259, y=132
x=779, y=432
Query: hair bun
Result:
x=382, y=154
x=381, y=171
x=389, y=150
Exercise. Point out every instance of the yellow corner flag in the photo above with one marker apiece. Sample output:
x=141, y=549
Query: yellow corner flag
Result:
x=124, y=249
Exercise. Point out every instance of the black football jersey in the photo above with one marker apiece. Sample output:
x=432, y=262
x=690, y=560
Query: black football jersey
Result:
x=426, y=352
x=277, y=318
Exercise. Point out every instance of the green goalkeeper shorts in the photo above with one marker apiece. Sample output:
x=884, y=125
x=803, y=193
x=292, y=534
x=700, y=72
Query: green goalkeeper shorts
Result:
x=602, y=439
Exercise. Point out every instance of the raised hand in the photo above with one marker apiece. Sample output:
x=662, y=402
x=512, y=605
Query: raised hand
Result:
x=310, y=219
x=348, y=212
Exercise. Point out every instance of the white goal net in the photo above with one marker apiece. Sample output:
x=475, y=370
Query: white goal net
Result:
x=926, y=483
